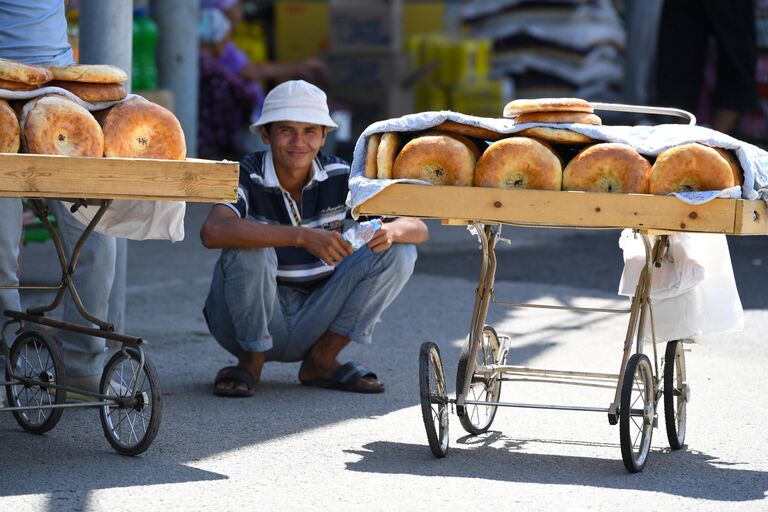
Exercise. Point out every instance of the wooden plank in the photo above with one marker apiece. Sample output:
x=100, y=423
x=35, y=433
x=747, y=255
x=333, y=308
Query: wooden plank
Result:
x=117, y=178
x=569, y=209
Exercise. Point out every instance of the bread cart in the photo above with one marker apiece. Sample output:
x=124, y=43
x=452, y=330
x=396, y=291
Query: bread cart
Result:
x=643, y=382
x=129, y=399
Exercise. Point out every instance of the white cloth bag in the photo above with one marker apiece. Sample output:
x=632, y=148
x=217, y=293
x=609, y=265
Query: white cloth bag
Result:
x=138, y=220
x=699, y=303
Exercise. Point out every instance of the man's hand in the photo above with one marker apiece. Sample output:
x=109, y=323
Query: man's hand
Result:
x=383, y=238
x=329, y=246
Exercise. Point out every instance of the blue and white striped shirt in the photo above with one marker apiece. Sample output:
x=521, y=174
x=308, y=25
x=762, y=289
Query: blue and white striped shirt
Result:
x=260, y=198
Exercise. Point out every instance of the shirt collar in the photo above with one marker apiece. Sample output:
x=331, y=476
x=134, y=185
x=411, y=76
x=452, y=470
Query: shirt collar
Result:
x=270, y=175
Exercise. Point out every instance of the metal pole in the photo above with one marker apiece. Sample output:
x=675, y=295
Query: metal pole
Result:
x=106, y=33
x=177, y=54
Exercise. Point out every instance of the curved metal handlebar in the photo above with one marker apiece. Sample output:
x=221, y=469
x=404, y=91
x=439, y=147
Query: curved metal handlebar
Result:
x=641, y=109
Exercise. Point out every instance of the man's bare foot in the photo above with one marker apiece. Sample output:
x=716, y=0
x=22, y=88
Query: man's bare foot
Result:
x=322, y=362
x=251, y=362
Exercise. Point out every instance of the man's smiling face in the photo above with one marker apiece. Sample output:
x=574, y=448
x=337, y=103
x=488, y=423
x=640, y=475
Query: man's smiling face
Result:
x=294, y=145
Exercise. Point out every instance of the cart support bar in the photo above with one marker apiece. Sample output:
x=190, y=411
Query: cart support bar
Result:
x=539, y=406
x=131, y=341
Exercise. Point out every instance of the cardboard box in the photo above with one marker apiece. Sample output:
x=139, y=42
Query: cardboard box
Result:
x=365, y=25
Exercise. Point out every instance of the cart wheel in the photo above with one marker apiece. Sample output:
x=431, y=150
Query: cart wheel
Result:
x=130, y=426
x=434, y=398
x=676, y=394
x=636, y=412
x=35, y=356
x=477, y=419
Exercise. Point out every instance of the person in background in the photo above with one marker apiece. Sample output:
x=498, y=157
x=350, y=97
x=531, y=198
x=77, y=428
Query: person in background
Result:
x=685, y=28
x=287, y=286
x=36, y=33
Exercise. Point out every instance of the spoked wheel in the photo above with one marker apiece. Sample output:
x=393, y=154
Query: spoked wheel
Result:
x=636, y=412
x=676, y=393
x=130, y=424
x=36, y=357
x=434, y=398
x=477, y=419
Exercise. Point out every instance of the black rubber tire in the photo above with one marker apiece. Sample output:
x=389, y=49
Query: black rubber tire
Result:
x=48, y=418
x=153, y=395
x=492, y=392
x=431, y=373
x=675, y=395
x=638, y=369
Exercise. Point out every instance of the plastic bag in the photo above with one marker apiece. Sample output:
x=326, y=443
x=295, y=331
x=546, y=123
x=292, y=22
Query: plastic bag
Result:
x=138, y=220
x=360, y=234
x=712, y=306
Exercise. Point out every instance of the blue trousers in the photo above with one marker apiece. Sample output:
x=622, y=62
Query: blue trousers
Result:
x=247, y=310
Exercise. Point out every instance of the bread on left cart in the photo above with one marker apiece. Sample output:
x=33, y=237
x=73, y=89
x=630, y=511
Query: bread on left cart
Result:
x=138, y=128
x=16, y=72
x=93, y=92
x=89, y=73
x=55, y=125
x=9, y=129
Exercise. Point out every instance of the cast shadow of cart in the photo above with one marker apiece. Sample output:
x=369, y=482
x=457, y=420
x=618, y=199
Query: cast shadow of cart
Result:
x=668, y=472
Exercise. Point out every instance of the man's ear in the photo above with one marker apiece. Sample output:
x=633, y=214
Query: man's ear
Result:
x=264, y=132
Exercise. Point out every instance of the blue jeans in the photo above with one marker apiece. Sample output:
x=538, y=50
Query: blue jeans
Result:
x=247, y=310
x=100, y=282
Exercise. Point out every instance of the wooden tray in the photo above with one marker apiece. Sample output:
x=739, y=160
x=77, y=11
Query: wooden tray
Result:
x=117, y=178
x=569, y=209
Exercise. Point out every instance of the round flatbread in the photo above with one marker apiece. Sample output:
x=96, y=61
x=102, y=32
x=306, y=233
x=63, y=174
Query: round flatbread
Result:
x=93, y=93
x=385, y=157
x=370, y=156
x=523, y=106
x=55, y=125
x=690, y=168
x=138, y=128
x=91, y=73
x=24, y=73
x=474, y=148
x=519, y=162
x=558, y=117
x=469, y=130
x=10, y=85
x=608, y=167
x=9, y=129
x=440, y=159
x=733, y=163
x=556, y=135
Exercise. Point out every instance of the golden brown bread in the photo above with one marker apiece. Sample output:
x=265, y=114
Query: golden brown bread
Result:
x=93, y=93
x=9, y=129
x=25, y=73
x=608, y=167
x=91, y=73
x=440, y=159
x=556, y=135
x=522, y=106
x=10, y=85
x=138, y=128
x=558, y=117
x=469, y=130
x=389, y=145
x=370, y=156
x=690, y=168
x=55, y=125
x=473, y=147
x=733, y=163
x=519, y=162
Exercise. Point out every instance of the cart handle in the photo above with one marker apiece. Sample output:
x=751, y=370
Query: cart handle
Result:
x=642, y=109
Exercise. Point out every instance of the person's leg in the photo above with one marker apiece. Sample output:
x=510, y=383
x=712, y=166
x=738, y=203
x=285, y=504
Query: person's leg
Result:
x=348, y=306
x=681, y=54
x=733, y=24
x=93, y=278
x=243, y=308
x=10, y=234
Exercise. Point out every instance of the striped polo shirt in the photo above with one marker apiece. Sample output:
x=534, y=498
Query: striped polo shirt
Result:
x=260, y=198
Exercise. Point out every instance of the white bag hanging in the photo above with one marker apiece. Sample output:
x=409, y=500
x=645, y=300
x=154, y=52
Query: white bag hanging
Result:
x=138, y=220
x=711, y=306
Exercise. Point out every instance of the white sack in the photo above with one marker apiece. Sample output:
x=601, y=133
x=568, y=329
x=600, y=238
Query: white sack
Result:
x=138, y=220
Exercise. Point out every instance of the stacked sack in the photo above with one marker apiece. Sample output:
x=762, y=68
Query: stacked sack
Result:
x=454, y=154
x=53, y=124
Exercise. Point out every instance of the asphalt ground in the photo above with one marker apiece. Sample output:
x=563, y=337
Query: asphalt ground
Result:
x=294, y=448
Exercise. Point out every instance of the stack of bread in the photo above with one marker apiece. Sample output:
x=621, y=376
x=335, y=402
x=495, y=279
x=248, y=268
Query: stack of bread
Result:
x=54, y=124
x=459, y=155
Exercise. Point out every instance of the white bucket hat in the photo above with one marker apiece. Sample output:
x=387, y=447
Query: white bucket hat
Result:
x=297, y=101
